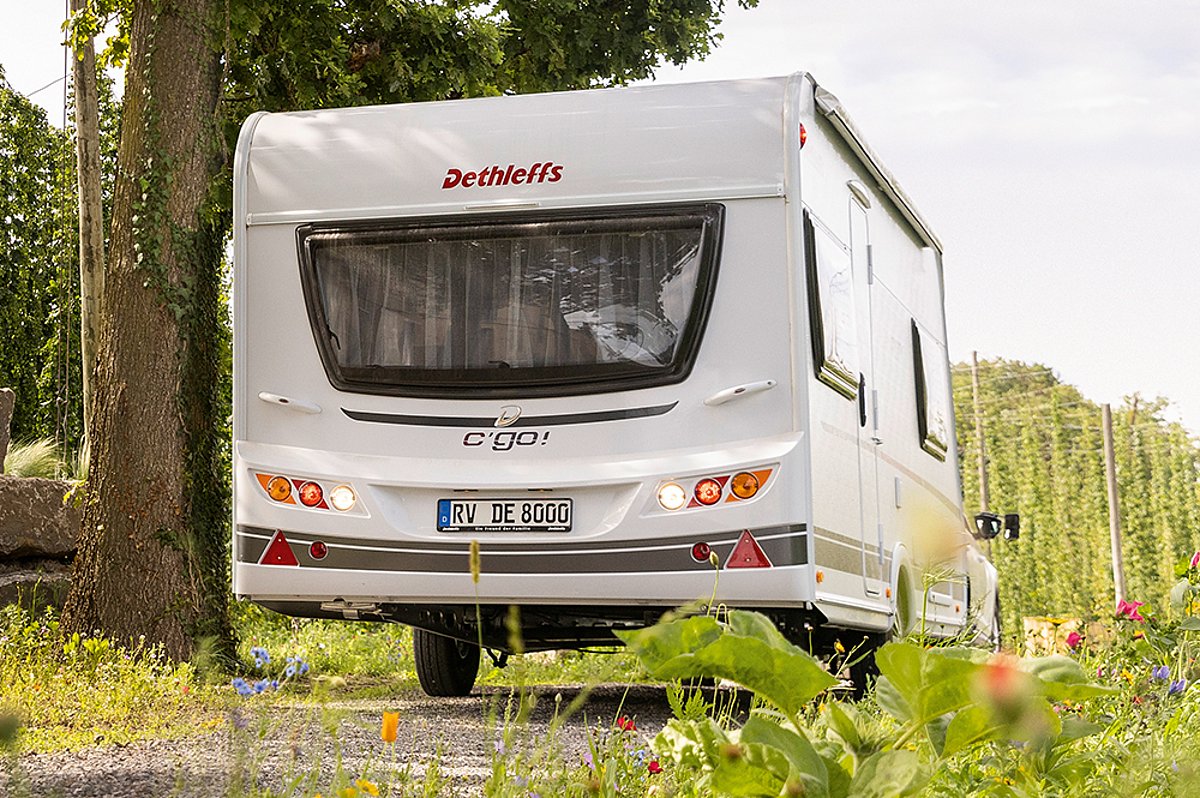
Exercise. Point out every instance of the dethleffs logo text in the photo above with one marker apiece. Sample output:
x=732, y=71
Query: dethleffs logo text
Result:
x=512, y=174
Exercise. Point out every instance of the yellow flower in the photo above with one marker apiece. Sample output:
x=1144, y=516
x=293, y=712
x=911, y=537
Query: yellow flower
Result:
x=391, y=722
x=347, y=792
x=838, y=647
x=366, y=786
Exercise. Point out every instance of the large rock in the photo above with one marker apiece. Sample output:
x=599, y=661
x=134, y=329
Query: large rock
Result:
x=7, y=400
x=34, y=519
x=34, y=583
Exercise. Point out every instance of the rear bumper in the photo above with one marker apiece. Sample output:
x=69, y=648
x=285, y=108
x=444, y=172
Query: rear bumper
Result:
x=658, y=572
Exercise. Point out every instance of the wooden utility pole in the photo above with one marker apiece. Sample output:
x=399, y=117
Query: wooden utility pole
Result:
x=1114, y=508
x=984, y=496
x=91, y=209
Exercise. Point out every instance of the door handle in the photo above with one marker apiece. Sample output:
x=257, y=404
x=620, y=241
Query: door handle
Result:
x=862, y=400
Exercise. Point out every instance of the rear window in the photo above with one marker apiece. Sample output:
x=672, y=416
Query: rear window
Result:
x=549, y=305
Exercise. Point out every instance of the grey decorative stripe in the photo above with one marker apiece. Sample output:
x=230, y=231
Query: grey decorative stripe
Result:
x=783, y=545
x=523, y=421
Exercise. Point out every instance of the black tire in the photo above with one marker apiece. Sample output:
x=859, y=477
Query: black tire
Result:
x=446, y=668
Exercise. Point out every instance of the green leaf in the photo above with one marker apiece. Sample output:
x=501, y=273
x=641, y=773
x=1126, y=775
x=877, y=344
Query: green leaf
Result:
x=970, y=727
x=800, y=754
x=1076, y=728
x=889, y=698
x=1179, y=593
x=888, y=774
x=1062, y=679
x=901, y=664
x=753, y=772
x=947, y=678
x=842, y=720
x=747, y=650
x=1190, y=624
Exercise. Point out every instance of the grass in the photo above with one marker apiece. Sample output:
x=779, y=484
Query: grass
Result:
x=74, y=692
x=44, y=459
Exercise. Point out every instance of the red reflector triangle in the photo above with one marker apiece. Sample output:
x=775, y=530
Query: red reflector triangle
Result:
x=747, y=554
x=278, y=552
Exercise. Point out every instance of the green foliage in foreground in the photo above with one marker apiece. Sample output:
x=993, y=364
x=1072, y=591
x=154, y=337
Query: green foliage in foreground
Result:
x=1119, y=715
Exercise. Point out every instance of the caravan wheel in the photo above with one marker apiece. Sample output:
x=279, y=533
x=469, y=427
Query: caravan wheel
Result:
x=445, y=667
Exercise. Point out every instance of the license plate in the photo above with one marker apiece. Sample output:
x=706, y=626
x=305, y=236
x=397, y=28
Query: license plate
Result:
x=504, y=515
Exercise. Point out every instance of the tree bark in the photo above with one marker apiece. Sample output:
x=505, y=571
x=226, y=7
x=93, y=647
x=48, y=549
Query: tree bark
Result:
x=91, y=212
x=151, y=558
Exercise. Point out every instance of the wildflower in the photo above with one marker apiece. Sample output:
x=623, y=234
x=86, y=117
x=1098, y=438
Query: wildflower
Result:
x=391, y=722
x=262, y=685
x=654, y=767
x=366, y=786
x=1130, y=609
x=347, y=792
x=520, y=780
x=1177, y=687
x=1137, y=699
x=625, y=724
x=587, y=760
x=1073, y=640
x=1195, y=559
x=1138, y=635
x=261, y=657
x=1160, y=673
x=241, y=686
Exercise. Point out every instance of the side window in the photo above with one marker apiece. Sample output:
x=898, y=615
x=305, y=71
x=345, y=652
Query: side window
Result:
x=933, y=414
x=831, y=309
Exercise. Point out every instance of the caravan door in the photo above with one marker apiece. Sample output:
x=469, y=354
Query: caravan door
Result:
x=868, y=427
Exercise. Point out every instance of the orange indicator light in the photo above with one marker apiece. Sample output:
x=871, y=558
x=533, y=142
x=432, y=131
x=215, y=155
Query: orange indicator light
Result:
x=279, y=488
x=744, y=485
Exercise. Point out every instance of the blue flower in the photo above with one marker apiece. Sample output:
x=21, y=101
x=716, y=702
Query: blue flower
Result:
x=289, y=671
x=242, y=688
x=261, y=685
x=261, y=657
x=1177, y=687
x=1161, y=673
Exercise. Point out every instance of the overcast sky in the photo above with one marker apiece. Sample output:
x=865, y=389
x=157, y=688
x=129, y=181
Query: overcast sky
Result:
x=1053, y=146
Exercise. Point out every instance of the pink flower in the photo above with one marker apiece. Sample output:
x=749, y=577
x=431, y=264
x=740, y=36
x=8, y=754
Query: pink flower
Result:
x=1196, y=559
x=1130, y=609
x=654, y=767
x=1074, y=639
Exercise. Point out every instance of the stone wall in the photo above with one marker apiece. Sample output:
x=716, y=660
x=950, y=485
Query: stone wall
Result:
x=38, y=530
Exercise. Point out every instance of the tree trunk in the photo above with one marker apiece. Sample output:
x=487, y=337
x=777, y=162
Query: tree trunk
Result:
x=151, y=557
x=91, y=212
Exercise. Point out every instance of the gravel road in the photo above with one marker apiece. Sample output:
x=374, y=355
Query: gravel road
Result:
x=273, y=743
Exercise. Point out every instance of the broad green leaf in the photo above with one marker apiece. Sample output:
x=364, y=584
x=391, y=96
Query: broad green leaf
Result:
x=1062, y=679
x=946, y=683
x=1076, y=728
x=892, y=702
x=969, y=727
x=663, y=643
x=842, y=720
x=692, y=744
x=754, y=772
x=901, y=664
x=1179, y=593
x=839, y=779
x=1190, y=624
x=801, y=756
x=888, y=774
x=748, y=650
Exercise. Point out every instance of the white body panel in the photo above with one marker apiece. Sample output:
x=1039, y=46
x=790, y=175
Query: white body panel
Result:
x=831, y=514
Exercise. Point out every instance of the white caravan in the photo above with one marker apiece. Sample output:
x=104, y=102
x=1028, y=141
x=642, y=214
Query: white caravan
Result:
x=636, y=342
